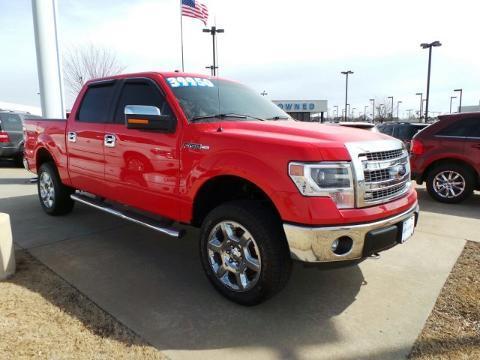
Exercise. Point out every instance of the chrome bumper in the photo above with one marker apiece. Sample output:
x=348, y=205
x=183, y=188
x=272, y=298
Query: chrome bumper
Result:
x=314, y=244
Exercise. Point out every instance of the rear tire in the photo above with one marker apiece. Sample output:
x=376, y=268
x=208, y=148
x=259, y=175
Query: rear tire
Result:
x=53, y=195
x=450, y=183
x=244, y=252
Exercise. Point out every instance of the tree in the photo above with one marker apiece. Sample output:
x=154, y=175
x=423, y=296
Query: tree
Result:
x=83, y=63
x=383, y=109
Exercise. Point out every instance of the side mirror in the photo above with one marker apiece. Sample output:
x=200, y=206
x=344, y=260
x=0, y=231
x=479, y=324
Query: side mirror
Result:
x=144, y=117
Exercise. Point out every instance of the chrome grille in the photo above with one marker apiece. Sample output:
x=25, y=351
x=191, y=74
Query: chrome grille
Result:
x=386, y=175
x=377, y=175
x=383, y=155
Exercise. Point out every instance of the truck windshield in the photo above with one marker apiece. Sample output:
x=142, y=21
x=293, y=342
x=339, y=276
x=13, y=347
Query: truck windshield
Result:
x=213, y=99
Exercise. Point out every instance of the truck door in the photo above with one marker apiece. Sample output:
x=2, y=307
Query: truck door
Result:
x=142, y=166
x=85, y=138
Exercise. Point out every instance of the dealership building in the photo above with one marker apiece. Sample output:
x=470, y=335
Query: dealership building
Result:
x=304, y=110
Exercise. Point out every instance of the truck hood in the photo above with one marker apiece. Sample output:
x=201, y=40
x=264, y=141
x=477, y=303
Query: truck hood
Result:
x=314, y=139
x=297, y=131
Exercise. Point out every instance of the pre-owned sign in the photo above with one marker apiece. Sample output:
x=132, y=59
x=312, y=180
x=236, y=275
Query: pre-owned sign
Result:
x=311, y=106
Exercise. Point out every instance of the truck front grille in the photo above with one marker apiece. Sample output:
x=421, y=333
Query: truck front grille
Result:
x=384, y=155
x=386, y=175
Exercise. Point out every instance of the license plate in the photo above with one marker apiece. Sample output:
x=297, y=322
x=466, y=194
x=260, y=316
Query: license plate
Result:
x=407, y=228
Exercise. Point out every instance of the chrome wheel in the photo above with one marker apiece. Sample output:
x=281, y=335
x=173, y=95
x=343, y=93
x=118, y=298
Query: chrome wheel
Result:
x=449, y=184
x=234, y=256
x=47, y=190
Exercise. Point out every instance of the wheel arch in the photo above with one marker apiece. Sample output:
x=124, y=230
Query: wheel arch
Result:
x=457, y=161
x=225, y=188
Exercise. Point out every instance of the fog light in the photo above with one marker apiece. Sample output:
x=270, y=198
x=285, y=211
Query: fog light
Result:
x=335, y=245
x=342, y=245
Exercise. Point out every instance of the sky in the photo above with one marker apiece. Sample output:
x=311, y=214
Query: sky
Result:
x=290, y=49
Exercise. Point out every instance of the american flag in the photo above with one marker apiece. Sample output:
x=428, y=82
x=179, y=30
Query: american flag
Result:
x=195, y=9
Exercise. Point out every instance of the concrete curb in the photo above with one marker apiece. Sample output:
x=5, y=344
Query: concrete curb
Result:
x=7, y=251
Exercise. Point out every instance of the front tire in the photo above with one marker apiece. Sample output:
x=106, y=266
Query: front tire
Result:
x=54, y=196
x=450, y=183
x=244, y=252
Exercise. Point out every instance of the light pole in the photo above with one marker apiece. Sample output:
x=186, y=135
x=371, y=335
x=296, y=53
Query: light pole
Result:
x=429, y=46
x=398, y=107
x=391, y=112
x=348, y=111
x=373, y=109
x=214, y=31
x=365, y=112
x=420, y=114
x=346, y=73
x=460, y=104
x=451, y=98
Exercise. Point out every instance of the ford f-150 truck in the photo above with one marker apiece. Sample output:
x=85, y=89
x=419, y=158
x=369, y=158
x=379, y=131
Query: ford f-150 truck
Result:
x=162, y=149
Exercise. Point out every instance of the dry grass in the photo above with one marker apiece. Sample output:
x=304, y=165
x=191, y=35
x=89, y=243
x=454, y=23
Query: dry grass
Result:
x=42, y=316
x=452, y=330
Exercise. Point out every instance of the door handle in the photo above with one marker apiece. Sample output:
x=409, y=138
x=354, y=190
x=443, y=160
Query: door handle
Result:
x=109, y=140
x=72, y=136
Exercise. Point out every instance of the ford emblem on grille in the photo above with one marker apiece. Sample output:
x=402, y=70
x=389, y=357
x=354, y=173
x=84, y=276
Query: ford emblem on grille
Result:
x=398, y=171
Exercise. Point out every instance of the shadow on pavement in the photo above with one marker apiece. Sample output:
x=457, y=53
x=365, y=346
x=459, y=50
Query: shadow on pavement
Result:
x=15, y=181
x=468, y=208
x=155, y=285
x=4, y=163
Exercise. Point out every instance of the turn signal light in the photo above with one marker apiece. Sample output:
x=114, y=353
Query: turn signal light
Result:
x=4, y=137
x=417, y=147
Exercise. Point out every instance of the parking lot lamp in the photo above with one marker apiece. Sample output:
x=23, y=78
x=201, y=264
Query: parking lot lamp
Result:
x=429, y=46
x=391, y=112
x=346, y=73
x=398, y=107
x=420, y=113
x=460, y=104
x=451, y=98
x=214, y=31
x=373, y=109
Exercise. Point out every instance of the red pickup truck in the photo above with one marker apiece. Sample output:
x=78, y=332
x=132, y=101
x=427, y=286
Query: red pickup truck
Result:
x=161, y=149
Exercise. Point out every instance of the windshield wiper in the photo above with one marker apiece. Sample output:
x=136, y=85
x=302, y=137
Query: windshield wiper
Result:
x=278, y=118
x=222, y=116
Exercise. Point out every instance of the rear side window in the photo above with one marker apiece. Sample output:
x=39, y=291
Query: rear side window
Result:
x=462, y=128
x=139, y=92
x=386, y=129
x=95, y=104
x=407, y=132
x=10, y=122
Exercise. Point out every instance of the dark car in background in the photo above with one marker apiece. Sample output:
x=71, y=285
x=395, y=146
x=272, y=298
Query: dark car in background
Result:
x=446, y=155
x=404, y=131
x=11, y=134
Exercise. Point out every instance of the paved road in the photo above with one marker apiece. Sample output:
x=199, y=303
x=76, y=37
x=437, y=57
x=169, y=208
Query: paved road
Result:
x=155, y=285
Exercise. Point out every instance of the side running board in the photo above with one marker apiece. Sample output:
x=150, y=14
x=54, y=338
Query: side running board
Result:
x=127, y=215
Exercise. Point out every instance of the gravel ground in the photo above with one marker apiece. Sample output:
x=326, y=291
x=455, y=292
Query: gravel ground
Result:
x=452, y=330
x=43, y=317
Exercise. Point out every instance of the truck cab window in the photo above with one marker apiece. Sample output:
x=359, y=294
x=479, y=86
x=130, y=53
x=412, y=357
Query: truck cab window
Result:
x=95, y=105
x=139, y=93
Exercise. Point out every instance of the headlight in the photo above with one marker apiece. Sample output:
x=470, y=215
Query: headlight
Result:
x=334, y=180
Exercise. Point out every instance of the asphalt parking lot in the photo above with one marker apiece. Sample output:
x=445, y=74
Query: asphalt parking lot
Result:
x=155, y=285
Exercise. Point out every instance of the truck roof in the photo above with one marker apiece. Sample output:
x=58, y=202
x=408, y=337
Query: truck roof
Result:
x=164, y=74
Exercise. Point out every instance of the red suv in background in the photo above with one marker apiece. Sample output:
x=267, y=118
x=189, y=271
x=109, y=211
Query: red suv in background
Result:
x=447, y=156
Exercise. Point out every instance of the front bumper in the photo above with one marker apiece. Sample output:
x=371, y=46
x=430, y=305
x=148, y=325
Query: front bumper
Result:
x=314, y=244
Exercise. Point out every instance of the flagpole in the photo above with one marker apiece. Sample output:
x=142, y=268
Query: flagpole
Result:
x=181, y=35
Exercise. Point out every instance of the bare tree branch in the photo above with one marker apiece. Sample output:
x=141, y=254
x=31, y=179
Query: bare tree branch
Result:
x=82, y=63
